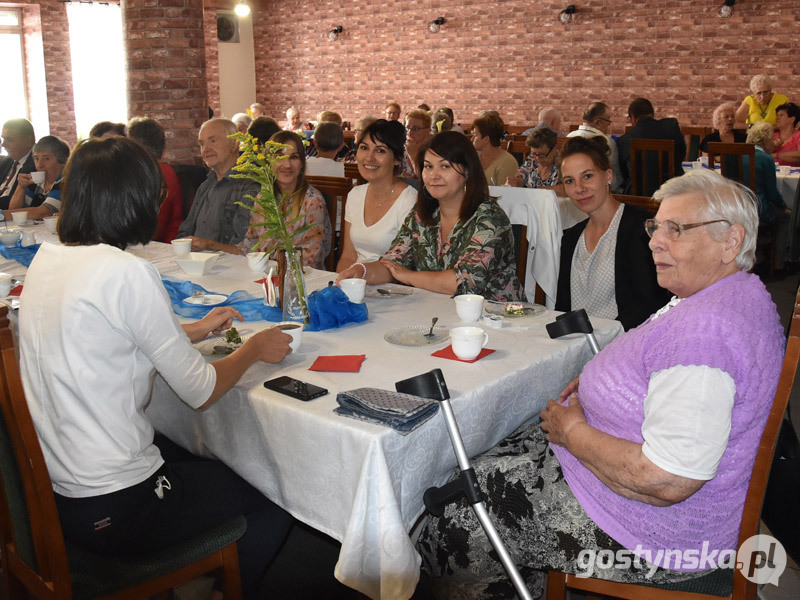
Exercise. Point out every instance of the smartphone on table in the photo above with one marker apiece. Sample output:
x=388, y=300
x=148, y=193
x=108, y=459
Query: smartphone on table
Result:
x=295, y=388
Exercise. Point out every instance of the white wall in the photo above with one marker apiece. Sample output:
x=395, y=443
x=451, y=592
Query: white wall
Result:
x=237, y=71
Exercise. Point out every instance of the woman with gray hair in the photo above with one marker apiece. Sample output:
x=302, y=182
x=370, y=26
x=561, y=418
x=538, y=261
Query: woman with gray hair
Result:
x=722, y=120
x=761, y=104
x=653, y=448
x=41, y=200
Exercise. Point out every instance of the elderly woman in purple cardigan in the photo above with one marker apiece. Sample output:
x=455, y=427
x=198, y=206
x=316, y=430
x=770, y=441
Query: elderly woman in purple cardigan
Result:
x=639, y=472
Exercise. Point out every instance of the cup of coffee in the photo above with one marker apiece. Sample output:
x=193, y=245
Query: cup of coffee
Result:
x=5, y=284
x=257, y=261
x=703, y=160
x=785, y=170
x=354, y=288
x=20, y=217
x=181, y=246
x=294, y=329
x=38, y=177
x=469, y=307
x=51, y=223
x=467, y=342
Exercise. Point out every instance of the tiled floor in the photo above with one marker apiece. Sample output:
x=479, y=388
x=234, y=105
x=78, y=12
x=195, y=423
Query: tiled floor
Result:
x=304, y=569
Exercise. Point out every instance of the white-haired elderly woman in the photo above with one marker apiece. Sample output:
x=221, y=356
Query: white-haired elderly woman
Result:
x=773, y=212
x=242, y=121
x=760, y=105
x=722, y=120
x=652, y=449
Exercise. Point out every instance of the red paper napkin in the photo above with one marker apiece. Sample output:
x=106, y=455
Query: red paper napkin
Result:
x=448, y=353
x=350, y=363
x=264, y=280
x=16, y=291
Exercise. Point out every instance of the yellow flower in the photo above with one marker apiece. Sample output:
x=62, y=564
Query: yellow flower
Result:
x=261, y=157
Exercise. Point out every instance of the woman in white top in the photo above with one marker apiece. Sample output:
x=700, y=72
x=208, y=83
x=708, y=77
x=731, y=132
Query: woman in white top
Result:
x=376, y=210
x=96, y=327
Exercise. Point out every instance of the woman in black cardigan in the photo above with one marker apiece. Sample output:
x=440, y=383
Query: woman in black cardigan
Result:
x=606, y=264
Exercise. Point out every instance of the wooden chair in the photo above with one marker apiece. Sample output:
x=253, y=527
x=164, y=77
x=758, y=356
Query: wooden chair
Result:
x=351, y=172
x=35, y=558
x=721, y=583
x=519, y=149
x=652, y=163
x=517, y=128
x=731, y=159
x=560, y=141
x=644, y=202
x=693, y=136
x=335, y=190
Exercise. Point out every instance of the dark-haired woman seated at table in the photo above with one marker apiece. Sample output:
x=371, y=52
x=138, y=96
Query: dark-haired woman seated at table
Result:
x=787, y=137
x=606, y=265
x=457, y=239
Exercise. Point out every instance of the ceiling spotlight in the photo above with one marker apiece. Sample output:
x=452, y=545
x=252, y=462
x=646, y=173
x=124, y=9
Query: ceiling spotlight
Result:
x=726, y=9
x=242, y=9
x=333, y=34
x=568, y=14
x=436, y=24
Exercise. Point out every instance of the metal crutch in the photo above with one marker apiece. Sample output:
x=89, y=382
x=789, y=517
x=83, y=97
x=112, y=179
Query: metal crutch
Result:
x=432, y=385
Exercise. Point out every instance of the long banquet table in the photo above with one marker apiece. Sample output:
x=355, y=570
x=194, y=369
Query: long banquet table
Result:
x=360, y=483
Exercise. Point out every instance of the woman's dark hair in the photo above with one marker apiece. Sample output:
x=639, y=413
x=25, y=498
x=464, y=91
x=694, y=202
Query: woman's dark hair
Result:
x=596, y=148
x=299, y=193
x=263, y=128
x=792, y=111
x=149, y=133
x=456, y=149
x=492, y=125
x=542, y=136
x=103, y=127
x=390, y=133
x=111, y=194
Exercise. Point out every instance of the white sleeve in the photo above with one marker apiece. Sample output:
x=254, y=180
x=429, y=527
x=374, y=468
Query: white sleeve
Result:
x=687, y=420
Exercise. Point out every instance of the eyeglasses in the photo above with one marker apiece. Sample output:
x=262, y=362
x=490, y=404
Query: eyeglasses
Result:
x=603, y=119
x=672, y=229
x=541, y=155
x=413, y=128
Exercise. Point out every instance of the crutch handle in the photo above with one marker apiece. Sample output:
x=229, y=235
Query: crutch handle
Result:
x=436, y=498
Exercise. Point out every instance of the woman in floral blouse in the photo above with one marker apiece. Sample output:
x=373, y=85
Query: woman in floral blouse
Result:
x=457, y=240
x=306, y=200
x=540, y=168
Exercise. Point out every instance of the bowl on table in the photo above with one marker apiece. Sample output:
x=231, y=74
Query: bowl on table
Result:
x=9, y=239
x=197, y=263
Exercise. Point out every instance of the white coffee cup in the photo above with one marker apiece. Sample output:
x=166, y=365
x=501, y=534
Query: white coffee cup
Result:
x=51, y=223
x=257, y=261
x=5, y=284
x=703, y=161
x=354, y=288
x=20, y=217
x=785, y=170
x=38, y=177
x=28, y=239
x=181, y=246
x=294, y=329
x=468, y=341
x=469, y=307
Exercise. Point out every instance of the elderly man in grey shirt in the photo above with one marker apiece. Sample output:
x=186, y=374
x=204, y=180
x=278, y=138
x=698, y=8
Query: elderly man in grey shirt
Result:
x=216, y=221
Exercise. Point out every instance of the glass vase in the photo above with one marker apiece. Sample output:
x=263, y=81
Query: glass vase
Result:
x=295, y=299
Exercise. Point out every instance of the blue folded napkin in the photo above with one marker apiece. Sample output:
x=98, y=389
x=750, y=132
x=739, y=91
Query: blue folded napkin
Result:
x=330, y=308
x=23, y=256
x=402, y=412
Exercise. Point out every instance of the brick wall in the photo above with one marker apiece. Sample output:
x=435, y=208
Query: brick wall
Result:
x=517, y=57
x=212, y=58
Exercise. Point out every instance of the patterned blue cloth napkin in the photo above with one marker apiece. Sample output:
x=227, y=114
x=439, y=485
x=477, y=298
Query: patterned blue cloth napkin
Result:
x=23, y=256
x=402, y=412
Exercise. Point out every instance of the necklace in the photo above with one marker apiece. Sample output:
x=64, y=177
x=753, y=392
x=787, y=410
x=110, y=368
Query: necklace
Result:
x=391, y=196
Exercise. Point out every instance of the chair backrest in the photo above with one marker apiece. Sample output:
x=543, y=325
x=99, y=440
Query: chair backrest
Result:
x=693, y=137
x=519, y=149
x=516, y=128
x=521, y=249
x=34, y=518
x=351, y=172
x=736, y=160
x=644, y=202
x=560, y=141
x=335, y=190
x=652, y=163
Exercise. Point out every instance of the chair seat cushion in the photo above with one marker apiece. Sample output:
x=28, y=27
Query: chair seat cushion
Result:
x=94, y=575
x=718, y=582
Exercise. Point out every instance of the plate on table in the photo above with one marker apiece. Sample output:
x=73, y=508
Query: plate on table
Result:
x=213, y=346
x=206, y=299
x=527, y=309
x=413, y=336
x=390, y=290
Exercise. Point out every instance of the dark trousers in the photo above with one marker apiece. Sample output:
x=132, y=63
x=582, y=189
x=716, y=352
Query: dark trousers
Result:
x=203, y=494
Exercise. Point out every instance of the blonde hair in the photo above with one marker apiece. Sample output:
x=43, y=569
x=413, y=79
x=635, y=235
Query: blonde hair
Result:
x=760, y=80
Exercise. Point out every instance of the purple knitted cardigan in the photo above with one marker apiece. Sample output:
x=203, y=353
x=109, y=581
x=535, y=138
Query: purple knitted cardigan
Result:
x=731, y=325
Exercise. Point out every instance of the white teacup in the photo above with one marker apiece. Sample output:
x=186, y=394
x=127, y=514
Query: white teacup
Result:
x=354, y=288
x=294, y=329
x=51, y=223
x=38, y=177
x=181, y=246
x=20, y=217
x=785, y=170
x=5, y=284
x=28, y=239
x=257, y=261
x=468, y=341
x=703, y=160
x=9, y=239
x=469, y=307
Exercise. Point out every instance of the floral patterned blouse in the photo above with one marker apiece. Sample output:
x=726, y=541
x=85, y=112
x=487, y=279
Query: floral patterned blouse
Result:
x=480, y=250
x=315, y=243
x=529, y=171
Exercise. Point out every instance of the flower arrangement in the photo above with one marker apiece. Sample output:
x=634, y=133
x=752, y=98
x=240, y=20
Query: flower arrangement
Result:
x=258, y=162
